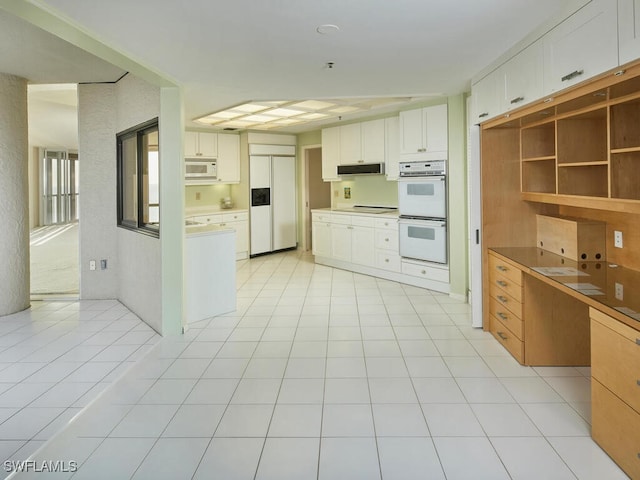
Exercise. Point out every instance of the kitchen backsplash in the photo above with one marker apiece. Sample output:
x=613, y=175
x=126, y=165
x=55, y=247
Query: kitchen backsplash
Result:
x=365, y=190
x=205, y=195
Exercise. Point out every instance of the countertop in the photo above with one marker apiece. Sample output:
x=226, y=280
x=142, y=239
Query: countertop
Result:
x=597, y=283
x=206, y=229
x=211, y=210
x=390, y=213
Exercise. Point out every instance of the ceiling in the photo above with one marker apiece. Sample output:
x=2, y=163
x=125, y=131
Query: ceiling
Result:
x=228, y=53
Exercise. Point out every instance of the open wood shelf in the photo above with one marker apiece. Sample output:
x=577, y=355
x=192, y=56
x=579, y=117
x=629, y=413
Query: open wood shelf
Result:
x=539, y=141
x=539, y=176
x=583, y=138
x=539, y=159
x=625, y=175
x=582, y=164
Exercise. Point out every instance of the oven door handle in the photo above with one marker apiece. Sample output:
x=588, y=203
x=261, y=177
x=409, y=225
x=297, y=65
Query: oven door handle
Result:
x=423, y=222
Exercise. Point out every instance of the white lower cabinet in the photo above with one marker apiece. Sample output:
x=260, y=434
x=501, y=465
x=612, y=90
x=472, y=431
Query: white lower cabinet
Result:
x=369, y=244
x=341, y=242
x=238, y=221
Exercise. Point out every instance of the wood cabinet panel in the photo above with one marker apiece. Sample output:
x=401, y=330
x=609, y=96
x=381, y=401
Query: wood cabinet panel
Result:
x=506, y=300
x=504, y=268
x=615, y=357
x=615, y=427
x=507, y=339
x=508, y=318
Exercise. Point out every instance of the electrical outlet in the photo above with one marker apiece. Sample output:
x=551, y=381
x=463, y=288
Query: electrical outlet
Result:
x=103, y=264
x=619, y=292
x=92, y=264
x=617, y=239
x=336, y=193
x=197, y=195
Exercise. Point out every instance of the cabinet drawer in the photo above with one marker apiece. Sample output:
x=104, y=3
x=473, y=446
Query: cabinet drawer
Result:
x=426, y=271
x=504, y=268
x=615, y=427
x=506, y=284
x=508, y=340
x=320, y=217
x=506, y=301
x=615, y=359
x=341, y=219
x=362, y=221
x=388, y=261
x=217, y=218
x=512, y=322
x=387, y=240
x=390, y=223
x=235, y=217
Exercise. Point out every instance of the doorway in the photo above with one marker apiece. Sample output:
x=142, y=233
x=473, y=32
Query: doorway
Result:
x=317, y=191
x=58, y=187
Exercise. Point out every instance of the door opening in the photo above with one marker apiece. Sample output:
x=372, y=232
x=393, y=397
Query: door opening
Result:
x=317, y=191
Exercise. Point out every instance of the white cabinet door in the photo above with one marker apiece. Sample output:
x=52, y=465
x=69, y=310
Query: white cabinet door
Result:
x=350, y=144
x=628, y=30
x=582, y=46
x=341, y=242
x=321, y=239
x=523, y=78
x=485, y=96
x=373, y=141
x=191, y=144
x=424, y=134
x=363, y=246
x=242, y=238
x=436, y=140
x=228, y=163
x=200, y=145
x=411, y=132
x=208, y=143
x=392, y=147
x=330, y=153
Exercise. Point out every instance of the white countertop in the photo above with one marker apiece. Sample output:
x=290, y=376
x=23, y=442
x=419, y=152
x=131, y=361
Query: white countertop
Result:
x=211, y=210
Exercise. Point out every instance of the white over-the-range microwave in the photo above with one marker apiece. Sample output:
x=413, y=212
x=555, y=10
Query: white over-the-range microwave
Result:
x=200, y=169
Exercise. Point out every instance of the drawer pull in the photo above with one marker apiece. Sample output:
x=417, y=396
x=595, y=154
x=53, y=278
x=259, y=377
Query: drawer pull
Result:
x=502, y=335
x=423, y=272
x=501, y=283
x=386, y=239
x=638, y=382
x=502, y=316
x=386, y=260
x=637, y=341
x=501, y=268
x=517, y=100
x=569, y=76
x=502, y=299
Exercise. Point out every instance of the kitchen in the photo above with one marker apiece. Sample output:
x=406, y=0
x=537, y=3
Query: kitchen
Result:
x=205, y=198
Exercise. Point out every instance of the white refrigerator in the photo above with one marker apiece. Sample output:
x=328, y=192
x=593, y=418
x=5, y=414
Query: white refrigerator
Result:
x=272, y=187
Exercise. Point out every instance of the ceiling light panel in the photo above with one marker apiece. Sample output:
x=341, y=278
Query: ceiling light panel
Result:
x=344, y=109
x=313, y=105
x=283, y=112
x=249, y=108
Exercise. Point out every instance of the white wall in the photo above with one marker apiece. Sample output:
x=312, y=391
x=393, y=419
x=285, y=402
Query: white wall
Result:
x=98, y=236
x=134, y=273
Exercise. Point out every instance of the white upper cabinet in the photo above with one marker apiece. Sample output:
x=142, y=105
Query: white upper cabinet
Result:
x=350, y=144
x=523, y=78
x=582, y=46
x=373, y=141
x=330, y=153
x=228, y=164
x=200, y=145
x=424, y=133
x=628, y=30
x=392, y=147
x=485, y=96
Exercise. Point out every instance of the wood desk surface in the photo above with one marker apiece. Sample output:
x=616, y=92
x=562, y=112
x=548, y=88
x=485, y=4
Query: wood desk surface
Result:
x=608, y=287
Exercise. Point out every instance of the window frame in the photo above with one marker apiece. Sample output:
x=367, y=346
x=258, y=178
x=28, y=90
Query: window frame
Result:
x=138, y=131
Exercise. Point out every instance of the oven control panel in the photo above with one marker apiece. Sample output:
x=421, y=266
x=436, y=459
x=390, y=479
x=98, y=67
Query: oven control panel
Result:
x=422, y=169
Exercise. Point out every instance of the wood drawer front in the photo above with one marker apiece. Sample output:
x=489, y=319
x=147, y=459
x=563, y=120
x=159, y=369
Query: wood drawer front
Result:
x=513, y=323
x=615, y=362
x=505, y=269
x=615, y=427
x=387, y=240
x=506, y=284
x=508, y=340
x=506, y=300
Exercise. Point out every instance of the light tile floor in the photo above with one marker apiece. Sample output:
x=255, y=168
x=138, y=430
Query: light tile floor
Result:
x=55, y=358
x=325, y=374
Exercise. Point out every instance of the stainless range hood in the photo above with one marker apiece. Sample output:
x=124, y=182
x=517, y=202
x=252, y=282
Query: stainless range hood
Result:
x=361, y=169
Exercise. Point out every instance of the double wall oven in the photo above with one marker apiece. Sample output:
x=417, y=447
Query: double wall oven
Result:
x=422, y=204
